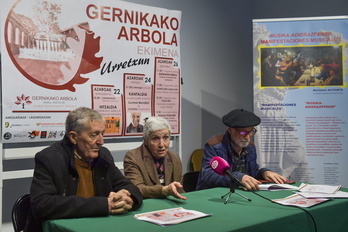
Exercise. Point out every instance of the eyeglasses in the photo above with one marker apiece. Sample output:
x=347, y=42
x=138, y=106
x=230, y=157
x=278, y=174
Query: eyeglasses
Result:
x=245, y=133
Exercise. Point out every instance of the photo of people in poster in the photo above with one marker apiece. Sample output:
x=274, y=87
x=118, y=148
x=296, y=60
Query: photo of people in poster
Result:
x=302, y=66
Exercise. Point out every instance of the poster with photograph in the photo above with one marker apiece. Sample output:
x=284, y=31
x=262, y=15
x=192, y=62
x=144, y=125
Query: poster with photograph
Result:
x=60, y=55
x=300, y=91
x=109, y=104
x=138, y=105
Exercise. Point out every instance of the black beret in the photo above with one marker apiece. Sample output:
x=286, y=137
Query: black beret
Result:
x=240, y=118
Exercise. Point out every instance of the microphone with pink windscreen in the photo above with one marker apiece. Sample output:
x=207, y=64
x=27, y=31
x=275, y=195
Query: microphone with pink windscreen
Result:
x=219, y=165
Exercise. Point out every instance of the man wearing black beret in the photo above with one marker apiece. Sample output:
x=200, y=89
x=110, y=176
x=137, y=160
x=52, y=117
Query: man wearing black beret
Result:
x=236, y=147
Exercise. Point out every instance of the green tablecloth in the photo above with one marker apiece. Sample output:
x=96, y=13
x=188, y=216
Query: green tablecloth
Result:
x=237, y=215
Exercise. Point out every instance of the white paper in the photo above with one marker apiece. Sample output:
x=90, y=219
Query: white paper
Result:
x=277, y=187
x=317, y=188
x=172, y=216
x=338, y=194
x=300, y=201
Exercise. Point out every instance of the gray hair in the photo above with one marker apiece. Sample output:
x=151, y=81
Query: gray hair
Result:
x=78, y=119
x=154, y=124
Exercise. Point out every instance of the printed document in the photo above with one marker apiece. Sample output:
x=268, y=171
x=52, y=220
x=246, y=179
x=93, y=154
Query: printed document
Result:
x=172, y=216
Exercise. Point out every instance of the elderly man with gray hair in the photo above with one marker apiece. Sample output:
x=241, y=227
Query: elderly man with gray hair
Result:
x=77, y=177
x=237, y=148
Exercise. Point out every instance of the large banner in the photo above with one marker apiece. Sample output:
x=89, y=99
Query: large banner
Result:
x=300, y=93
x=119, y=58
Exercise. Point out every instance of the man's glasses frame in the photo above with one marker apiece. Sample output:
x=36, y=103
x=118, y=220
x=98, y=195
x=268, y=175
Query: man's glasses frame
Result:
x=245, y=133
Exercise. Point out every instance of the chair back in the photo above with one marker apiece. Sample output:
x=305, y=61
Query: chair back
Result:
x=196, y=159
x=189, y=181
x=20, y=212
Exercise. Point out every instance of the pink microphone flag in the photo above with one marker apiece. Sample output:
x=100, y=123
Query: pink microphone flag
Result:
x=219, y=165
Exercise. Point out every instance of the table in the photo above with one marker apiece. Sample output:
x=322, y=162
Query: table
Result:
x=238, y=214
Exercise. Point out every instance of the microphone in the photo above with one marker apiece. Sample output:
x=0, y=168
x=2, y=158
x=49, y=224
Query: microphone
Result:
x=222, y=167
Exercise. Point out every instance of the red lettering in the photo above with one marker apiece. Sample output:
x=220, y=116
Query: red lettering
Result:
x=103, y=13
x=91, y=13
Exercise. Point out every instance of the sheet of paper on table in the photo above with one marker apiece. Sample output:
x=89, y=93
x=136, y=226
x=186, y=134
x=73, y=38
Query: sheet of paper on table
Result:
x=172, y=216
x=338, y=194
x=318, y=188
x=277, y=187
x=297, y=200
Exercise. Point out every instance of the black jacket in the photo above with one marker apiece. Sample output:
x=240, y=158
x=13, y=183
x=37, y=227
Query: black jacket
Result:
x=54, y=185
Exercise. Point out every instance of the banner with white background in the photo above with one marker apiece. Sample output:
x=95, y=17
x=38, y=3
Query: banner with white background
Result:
x=116, y=57
x=300, y=93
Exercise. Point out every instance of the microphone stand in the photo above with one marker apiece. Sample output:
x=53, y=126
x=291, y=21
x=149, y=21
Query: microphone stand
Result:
x=233, y=187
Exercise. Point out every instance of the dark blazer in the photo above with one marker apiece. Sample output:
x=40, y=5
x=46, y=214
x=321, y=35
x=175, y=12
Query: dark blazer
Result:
x=54, y=185
x=140, y=168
